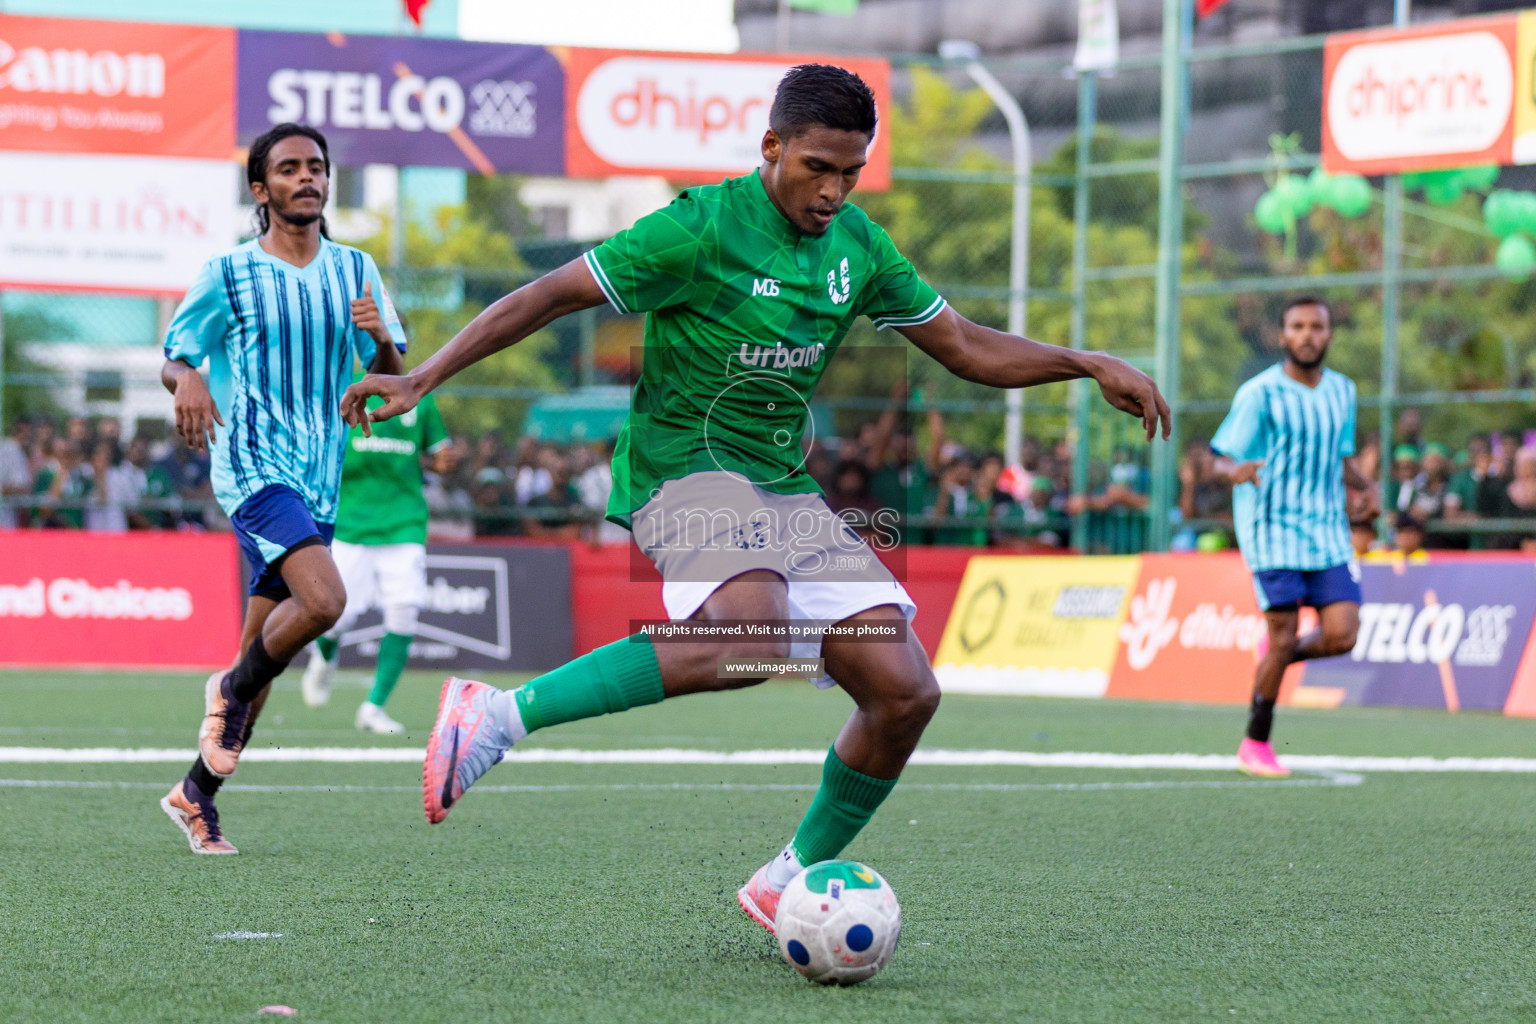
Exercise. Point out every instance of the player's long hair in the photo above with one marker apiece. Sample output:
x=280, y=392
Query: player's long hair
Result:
x=261, y=151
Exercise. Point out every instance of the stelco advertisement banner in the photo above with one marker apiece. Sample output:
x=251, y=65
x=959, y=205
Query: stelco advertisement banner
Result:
x=1447, y=632
x=481, y=613
x=136, y=224
x=690, y=117
x=1447, y=95
x=135, y=599
x=486, y=107
x=69, y=86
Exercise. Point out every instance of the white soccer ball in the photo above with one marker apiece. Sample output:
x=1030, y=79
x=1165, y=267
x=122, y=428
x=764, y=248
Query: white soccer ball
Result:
x=838, y=922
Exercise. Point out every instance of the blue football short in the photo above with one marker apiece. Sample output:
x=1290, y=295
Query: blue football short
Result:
x=1281, y=589
x=272, y=524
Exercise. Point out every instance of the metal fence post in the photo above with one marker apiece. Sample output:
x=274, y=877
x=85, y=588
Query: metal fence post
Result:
x=1170, y=238
x=1087, y=115
x=1391, y=309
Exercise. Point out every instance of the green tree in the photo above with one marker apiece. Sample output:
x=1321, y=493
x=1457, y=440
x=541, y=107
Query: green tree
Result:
x=25, y=396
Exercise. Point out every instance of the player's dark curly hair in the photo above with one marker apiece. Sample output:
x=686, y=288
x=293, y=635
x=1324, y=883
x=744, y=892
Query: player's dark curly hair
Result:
x=821, y=94
x=260, y=156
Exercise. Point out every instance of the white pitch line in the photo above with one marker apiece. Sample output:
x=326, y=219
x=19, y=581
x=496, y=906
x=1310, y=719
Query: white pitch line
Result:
x=1324, y=779
x=680, y=756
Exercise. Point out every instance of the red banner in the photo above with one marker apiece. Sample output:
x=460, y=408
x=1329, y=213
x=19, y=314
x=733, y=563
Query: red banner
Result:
x=70, y=86
x=123, y=599
x=691, y=117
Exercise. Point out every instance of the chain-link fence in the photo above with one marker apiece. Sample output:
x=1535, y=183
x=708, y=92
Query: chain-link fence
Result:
x=1180, y=281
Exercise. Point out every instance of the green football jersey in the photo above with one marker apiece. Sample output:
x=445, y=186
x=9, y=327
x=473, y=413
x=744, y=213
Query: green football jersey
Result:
x=744, y=313
x=381, y=500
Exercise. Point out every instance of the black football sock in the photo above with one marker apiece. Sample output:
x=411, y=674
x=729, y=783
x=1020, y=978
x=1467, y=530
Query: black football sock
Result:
x=1261, y=717
x=254, y=672
x=203, y=780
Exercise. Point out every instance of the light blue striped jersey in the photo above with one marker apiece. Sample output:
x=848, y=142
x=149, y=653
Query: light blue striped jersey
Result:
x=279, y=342
x=1295, y=517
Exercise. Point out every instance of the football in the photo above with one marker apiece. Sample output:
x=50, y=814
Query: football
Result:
x=838, y=922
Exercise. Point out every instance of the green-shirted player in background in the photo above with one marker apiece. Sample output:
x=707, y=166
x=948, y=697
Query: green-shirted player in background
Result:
x=749, y=288
x=381, y=551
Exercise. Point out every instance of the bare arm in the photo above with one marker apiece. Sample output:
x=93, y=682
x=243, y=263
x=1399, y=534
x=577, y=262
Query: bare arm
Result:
x=1238, y=472
x=196, y=413
x=505, y=322
x=885, y=426
x=367, y=318
x=980, y=354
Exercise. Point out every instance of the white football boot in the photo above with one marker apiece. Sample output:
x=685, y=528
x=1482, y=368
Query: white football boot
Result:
x=318, y=678
x=374, y=719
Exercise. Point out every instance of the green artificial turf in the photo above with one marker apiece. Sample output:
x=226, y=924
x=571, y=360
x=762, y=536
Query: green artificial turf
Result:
x=1403, y=897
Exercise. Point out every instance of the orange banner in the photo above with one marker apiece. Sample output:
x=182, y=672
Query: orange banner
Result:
x=72, y=86
x=691, y=117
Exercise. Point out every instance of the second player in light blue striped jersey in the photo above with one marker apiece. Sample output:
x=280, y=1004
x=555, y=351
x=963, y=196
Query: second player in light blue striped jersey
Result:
x=279, y=321
x=1286, y=446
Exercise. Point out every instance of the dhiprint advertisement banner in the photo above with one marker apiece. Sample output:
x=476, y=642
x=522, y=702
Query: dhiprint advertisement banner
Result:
x=112, y=223
x=126, y=599
x=690, y=117
x=1421, y=98
x=1035, y=625
x=1446, y=634
x=74, y=86
x=1191, y=632
x=483, y=107
x=489, y=607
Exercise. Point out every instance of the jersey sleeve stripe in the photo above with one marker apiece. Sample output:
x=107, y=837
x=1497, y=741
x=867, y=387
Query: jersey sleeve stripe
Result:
x=934, y=309
x=602, y=281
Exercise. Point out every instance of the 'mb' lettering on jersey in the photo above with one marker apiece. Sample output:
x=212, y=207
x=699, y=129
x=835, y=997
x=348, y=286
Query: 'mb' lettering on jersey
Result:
x=768, y=286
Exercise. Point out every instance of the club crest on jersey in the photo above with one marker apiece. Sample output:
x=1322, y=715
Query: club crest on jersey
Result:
x=840, y=276
x=780, y=356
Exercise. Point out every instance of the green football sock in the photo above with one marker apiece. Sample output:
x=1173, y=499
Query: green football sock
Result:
x=843, y=805
x=327, y=647
x=617, y=677
x=393, y=650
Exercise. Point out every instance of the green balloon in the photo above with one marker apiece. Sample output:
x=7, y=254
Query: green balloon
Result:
x=1413, y=180
x=1479, y=177
x=1516, y=258
x=1319, y=183
x=1443, y=190
x=1271, y=213
x=1350, y=195
x=1501, y=212
x=1211, y=541
x=1295, y=194
x=1523, y=206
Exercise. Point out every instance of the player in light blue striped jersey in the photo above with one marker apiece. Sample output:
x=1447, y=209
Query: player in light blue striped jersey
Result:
x=279, y=321
x=1286, y=446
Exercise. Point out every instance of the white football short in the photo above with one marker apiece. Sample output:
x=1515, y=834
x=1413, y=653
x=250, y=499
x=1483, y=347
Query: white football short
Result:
x=392, y=577
x=708, y=527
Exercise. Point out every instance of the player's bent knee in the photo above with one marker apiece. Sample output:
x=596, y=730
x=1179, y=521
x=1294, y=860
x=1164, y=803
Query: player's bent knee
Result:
x=914, y=705
x=1340, y=643
x=400, y=619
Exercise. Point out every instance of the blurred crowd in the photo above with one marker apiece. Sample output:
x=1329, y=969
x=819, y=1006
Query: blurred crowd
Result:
x=81, y=474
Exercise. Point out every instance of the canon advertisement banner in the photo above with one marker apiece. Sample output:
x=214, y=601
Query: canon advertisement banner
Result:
x=690, y=117
x=126, y=599
x=116, y=87
x=485, y=107
x=1421, y=98
x=112, y=223
x=489, y=607
x=1443, y=634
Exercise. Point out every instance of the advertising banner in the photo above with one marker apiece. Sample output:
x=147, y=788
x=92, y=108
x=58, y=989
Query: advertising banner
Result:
x=486, y=107
x=126, y=599
x=1421, y=98
x=1192, y=631
x=1443, y=634
x=490, y=607
x=690, y=117
x=1044, y=625
x=74, y=86
x=112, y=223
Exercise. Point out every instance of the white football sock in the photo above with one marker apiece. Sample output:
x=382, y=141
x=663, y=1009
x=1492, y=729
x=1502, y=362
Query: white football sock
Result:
x=783, y=868
x=505, y=714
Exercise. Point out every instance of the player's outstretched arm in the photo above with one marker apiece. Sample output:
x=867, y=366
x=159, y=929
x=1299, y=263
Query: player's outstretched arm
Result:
x=505, y=322
x=196, y=412
x=976, y=353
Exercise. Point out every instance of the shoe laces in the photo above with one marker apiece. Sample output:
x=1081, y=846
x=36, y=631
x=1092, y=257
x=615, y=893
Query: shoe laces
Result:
x=208, y=815
x=236, y=713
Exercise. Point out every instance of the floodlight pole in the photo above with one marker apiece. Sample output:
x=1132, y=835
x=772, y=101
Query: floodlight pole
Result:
x=1018, y=262
x=1391, y=307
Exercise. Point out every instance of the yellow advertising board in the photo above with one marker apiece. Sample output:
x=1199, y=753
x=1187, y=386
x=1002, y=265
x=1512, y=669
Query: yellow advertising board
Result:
x=1041, y=625
x=1524, y=142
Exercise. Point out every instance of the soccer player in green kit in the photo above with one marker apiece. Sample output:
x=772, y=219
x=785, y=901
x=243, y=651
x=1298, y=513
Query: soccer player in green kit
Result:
x=381, y=552
x=750, y=287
